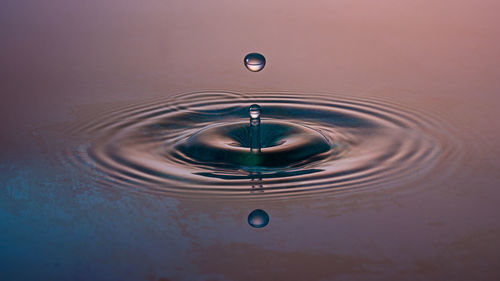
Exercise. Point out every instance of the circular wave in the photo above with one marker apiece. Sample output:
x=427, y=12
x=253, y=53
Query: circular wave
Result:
x=193, y=144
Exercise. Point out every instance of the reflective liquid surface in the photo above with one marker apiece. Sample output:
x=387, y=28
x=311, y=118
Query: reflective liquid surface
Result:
x=128, y=150
x=200, y=143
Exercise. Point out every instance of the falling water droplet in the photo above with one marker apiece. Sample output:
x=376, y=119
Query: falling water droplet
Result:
x=254, y=111
x=258, y=218
x=254, y=62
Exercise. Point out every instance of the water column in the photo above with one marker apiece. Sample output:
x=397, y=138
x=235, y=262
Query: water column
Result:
x=255, y=137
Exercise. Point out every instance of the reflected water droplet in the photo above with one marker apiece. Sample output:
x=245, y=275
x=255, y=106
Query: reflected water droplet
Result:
x=258, y=218
x=254, y=62
x=254, y=111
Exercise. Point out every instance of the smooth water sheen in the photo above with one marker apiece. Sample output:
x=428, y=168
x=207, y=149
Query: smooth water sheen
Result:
x=407, y=189
x=198, y=144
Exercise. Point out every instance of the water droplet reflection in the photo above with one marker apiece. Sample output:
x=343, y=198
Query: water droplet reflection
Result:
x=258, y=218
x=256, y=182
x=254, y=62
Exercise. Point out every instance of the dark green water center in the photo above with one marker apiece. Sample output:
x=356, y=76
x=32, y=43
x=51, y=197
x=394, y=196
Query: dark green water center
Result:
x=281, y=145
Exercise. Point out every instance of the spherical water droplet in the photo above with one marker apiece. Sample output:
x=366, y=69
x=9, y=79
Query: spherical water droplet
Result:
x=258, y=218
x=254, y=62
x=254, y=111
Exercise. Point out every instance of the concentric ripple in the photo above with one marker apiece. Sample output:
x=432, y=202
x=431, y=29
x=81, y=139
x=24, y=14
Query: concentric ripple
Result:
x=196, y=144
x=228, y=146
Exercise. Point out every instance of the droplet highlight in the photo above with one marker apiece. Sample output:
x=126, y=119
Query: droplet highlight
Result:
x=258, y=218
x=254, y=111
x=254, y=62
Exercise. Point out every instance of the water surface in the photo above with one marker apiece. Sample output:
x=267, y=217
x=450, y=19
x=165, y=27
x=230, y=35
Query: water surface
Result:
x=84, y=82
